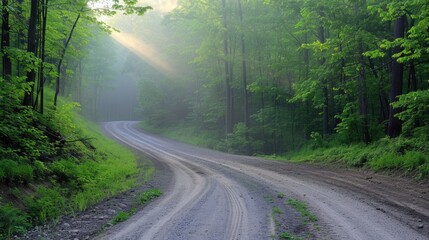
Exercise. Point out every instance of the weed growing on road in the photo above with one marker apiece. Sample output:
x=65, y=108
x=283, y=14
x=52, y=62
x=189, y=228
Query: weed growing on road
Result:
x=288, y=236
x=301, y=207
x=276, y=210
x=281, y=195
x=149, y=195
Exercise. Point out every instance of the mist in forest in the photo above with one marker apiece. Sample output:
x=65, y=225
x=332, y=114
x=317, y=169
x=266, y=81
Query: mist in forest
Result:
x=137, y=55
x=260, y=76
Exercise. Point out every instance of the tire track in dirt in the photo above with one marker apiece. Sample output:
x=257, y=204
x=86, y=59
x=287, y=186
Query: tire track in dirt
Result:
x=345, y=208
x=192, y=183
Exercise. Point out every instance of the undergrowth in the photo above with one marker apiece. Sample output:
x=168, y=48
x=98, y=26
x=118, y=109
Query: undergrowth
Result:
x=55, y=163
x=408, y=155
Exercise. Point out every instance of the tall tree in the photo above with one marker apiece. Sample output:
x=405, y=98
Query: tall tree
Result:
x=395, y=125
x=228, y=90
x=244, y=74
x=32, y=48
x=5, y=40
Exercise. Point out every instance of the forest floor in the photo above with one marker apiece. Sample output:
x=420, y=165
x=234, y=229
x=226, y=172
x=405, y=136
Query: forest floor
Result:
x=347, y=203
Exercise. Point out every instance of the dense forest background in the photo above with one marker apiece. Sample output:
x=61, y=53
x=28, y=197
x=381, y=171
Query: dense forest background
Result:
x=272, y=77
x=344, y=81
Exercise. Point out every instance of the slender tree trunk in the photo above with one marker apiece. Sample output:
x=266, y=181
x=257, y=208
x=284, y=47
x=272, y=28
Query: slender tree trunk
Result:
x=326, y=130
x=228, y=112
x=412, y=78
x=244, y=79
x=63, y=53
x=395, y=125
x=363, y=97
x=42, y=41
x=243, y=68
x=32, y=48
x=5, y=41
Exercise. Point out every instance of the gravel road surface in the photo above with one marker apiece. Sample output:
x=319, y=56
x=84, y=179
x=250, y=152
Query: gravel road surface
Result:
x=214, y=195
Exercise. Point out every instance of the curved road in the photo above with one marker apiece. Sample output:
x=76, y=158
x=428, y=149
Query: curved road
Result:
x=213, y=195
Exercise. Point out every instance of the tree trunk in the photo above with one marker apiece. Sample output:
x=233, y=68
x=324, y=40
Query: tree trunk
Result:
x=228, y=112
x=326, y=130
x=5, y=41
x=363, y=97
x=32, y=48
x=395, y=125
x=244, y=79
x=57, y=84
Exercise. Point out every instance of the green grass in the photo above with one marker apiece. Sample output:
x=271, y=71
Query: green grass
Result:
x=149, y=195
x=288, y=236
x=301, y=207
x=186, y=134
x=276, y=211
x=60, y=177
x=121, y=217
x=409, y=156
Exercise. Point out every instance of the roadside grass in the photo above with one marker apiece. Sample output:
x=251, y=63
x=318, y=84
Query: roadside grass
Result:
x=148, y=195
x=186, y=134
x=63, y=177
x=409, y=156
x=121, y=217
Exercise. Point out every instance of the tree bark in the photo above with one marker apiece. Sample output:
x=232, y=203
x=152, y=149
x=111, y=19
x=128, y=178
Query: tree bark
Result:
x=32, y=48
x=395, y=125
x=63, y=53
x=244, y=78
x=228, y=112
x=363, y=97
x=243, y=69
x=5, y=41
x=326, y=130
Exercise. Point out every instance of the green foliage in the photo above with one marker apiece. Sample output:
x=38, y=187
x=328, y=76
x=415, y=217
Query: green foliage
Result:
x=46, y=204
x=11, y=171
x=415, y=113
x=12, y=220
x=405, y=154
x=239, y=141
x=121, y=217
x=349, y=126
x=149, y=195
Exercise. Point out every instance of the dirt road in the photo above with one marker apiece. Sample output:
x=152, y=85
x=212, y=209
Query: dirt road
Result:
x=213, y=195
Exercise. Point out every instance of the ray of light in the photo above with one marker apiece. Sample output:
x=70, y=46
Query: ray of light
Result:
x=145, y=51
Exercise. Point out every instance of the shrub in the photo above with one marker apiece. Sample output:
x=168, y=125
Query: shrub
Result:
x=12, y=220
x=46, y=204
x=11, y=171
